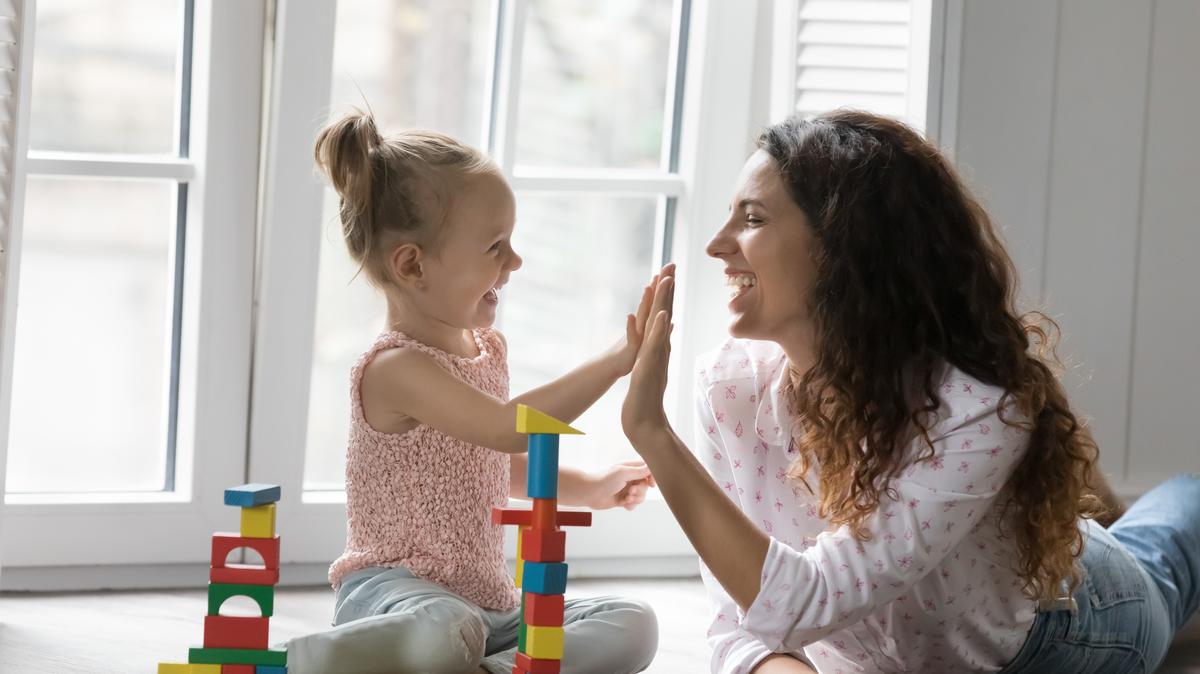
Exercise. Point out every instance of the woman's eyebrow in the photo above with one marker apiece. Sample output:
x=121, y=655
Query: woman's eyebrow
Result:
x=751, y=202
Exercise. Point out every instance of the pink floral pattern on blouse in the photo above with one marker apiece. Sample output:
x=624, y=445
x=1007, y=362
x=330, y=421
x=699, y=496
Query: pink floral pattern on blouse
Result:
x=932, y=590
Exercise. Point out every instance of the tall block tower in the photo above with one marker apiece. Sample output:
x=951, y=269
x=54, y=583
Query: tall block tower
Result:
x=233, y=644
x=541, y=546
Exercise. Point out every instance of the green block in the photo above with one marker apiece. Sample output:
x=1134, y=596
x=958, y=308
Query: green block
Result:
x=521, y=637
x=263, y=595
x=236, y=656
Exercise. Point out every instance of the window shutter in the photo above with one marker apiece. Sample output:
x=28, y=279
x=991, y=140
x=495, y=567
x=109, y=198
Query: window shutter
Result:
x=853, y=53
x=16, y=51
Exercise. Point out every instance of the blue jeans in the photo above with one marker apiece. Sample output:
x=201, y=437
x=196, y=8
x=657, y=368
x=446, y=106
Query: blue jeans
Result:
x=389, y=622
x=1141, y=583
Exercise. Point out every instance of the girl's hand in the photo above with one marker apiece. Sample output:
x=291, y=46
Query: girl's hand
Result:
x=642, y=415
x=625, y=352
x=624, y=485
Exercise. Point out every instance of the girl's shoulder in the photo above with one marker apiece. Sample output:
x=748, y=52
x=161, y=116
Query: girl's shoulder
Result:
x=741, y=359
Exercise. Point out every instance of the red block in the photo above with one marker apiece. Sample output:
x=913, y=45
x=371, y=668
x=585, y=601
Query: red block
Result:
x=244, y=574
x=223, y=543
x=527, y=665
x=545, y=511
x=524, y=518
x=544, y=610
x=237, y=669
x=540, y=545
x=222, y=631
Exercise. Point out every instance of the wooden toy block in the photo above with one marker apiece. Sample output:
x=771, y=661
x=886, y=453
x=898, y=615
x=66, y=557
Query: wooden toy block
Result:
x=543, y=610
x=224, y=542
x=270, y=669
x=530, y=420
x=253, y=494
x=236, y=656
x=528, y=665
x=541, y=476
x=520, y=558
x=243, y=574
x=263, y=595
x=545, y=578
x=235, y=632
x=544, y=643
x=259, y=521
x=540, y=545
x=176, y=668
x=545, y=513
x=238, y=669
x=566, y=518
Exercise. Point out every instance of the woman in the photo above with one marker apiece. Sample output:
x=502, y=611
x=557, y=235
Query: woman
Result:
x=893, y=478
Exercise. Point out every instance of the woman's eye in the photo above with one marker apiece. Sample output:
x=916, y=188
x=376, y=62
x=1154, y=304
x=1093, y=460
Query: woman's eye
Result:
x=753, y=222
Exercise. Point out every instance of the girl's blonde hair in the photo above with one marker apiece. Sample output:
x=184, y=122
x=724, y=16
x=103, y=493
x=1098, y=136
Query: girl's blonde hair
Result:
x=393, y=189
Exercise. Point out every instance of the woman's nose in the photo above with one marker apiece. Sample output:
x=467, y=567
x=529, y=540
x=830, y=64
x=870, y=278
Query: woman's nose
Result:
x=720, y=244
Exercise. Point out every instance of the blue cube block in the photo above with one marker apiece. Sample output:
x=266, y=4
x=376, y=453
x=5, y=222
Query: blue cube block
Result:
x=270, y=669
x=542, y=472
x=544, y=578
x=250, y=495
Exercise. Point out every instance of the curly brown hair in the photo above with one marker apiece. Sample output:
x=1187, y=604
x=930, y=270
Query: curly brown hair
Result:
x=911, y=276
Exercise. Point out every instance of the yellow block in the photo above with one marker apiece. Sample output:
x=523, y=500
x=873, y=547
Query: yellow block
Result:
x=530, y=420
x=545, y=643
x=520, y=557
x=171, y=668
x=259, y=521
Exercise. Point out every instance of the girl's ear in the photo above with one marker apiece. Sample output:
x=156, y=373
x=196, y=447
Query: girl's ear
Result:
x=405, y=265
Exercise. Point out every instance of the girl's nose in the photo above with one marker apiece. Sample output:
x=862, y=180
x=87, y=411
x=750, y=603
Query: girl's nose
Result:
x=515, y=262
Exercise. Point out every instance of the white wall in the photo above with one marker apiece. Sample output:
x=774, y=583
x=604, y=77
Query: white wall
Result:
x=1076, y=123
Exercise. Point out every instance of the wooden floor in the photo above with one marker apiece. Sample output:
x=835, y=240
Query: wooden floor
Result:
x=128, y=632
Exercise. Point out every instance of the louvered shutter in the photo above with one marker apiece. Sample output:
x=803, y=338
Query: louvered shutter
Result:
x=852, y=53
x=16, y=49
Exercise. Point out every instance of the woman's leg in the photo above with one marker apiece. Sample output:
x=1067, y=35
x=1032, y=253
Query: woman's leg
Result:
x=394, y=623
x=602, y=635
x=1162, y=531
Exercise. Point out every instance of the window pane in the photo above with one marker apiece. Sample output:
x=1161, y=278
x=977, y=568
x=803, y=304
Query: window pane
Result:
x=419, y=63
x=105, y=76
x=93, y=337
x=350, y=313
x=594, y=83
x=587, y=259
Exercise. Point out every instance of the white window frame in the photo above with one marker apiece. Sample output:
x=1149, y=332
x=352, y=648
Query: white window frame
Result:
x=49, y=537
x=714, y=129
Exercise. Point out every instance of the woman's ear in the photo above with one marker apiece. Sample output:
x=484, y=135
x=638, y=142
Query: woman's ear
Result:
x=405, y=265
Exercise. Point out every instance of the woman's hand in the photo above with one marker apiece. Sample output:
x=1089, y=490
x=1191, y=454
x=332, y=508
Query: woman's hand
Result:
x=623, y=484
x=642, y=415
x=625, y=352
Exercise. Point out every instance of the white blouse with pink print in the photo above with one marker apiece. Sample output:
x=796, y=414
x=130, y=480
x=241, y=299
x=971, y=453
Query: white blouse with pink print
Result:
x=932, y=590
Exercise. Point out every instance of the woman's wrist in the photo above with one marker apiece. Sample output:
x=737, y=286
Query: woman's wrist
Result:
x=650, y=436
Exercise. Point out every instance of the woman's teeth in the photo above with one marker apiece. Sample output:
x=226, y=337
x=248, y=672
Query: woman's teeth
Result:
x=739, y=283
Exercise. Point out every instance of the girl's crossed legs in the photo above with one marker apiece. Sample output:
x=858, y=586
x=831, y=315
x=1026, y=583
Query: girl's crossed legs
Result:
x=389, y=622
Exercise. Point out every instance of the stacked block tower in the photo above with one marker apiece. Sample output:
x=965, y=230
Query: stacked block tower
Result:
x=541, y=547
x=232, y=644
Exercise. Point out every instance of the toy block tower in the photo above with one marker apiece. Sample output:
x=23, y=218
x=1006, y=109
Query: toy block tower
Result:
x=541, y=546
x=237, y=645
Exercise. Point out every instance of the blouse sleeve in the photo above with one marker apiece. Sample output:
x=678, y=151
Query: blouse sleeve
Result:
x=808, y=595
x=734, y=649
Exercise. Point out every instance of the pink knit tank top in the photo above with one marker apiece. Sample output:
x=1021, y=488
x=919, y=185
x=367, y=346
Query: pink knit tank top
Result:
x=422, y=499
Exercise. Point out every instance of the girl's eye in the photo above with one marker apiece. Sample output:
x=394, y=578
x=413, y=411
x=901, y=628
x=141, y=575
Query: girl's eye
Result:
x=495, y=247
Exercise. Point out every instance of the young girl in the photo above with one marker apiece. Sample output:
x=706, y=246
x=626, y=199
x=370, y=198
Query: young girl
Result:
x=422, y=586
x=888, y=476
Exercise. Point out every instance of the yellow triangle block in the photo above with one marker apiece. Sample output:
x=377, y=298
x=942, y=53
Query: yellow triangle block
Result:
x=530, y=420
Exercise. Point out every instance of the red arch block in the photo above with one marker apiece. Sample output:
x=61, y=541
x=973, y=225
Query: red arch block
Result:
x=224, y=542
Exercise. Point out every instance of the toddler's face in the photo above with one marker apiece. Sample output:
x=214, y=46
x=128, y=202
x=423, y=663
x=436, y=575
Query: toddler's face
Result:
x=464, y=275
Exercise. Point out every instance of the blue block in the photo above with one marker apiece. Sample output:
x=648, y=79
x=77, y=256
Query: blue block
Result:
x=270, y=669
x=544, y=578
x=542, y=473
x=250, y=495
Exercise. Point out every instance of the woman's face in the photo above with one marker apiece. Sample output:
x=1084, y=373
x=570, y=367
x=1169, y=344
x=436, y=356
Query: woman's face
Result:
x=767, y=246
